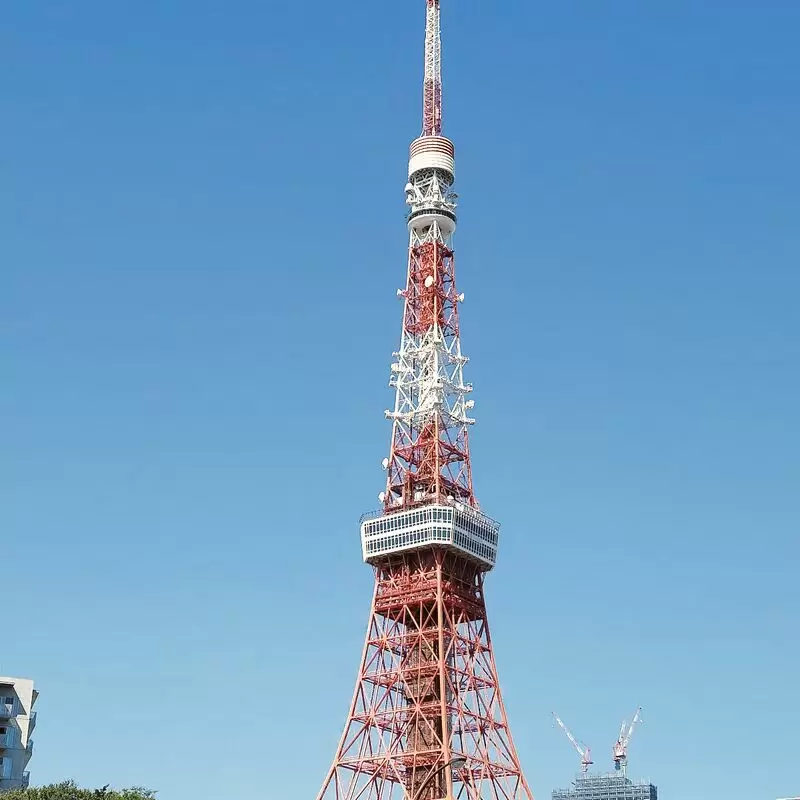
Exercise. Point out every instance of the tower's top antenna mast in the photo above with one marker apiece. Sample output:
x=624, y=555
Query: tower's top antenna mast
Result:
x=432, y=91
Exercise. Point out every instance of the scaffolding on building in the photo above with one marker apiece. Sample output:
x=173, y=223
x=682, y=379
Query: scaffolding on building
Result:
x=606, y=787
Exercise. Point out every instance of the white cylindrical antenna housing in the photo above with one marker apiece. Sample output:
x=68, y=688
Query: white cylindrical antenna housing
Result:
x=432, y=153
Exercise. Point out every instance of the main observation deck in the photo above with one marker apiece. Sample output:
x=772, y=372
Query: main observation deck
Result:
x=455, y=527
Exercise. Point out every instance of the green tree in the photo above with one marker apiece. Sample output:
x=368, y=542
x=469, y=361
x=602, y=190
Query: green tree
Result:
x=70, y=791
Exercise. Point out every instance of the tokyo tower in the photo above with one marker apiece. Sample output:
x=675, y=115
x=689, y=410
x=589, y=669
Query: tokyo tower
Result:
x=427, y=720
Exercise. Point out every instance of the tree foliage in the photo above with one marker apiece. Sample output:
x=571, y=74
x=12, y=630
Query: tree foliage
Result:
x=70, y=791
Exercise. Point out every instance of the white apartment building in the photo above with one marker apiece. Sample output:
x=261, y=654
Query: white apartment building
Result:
x=17, y=721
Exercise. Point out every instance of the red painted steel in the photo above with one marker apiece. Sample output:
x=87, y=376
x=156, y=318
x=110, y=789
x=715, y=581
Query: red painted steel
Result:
x=427, y=692
x=430, y=463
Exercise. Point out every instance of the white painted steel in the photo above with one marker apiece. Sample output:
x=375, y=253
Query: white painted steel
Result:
x=428, y=369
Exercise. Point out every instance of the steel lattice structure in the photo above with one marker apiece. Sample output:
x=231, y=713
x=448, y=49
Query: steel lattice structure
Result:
x=427, y=719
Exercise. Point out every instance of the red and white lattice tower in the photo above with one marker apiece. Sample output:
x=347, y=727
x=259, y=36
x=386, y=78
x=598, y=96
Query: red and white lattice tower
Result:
x=427, y=719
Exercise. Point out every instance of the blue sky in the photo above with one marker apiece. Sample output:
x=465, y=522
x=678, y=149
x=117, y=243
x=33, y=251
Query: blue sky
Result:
x=202, y=234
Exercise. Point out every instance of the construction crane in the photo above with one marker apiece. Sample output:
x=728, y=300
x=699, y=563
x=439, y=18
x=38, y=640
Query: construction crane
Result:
x=583, y=751
x=620, y=750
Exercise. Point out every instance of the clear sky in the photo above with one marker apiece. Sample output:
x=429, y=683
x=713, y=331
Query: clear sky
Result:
x=202, y=235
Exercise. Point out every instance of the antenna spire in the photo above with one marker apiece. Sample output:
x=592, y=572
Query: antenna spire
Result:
x=432, y=87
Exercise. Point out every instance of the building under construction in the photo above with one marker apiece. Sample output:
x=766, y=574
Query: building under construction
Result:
x=607, y=787
x=614, y=786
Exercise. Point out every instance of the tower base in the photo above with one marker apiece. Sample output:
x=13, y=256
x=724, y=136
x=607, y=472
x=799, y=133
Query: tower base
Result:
x=427, y=692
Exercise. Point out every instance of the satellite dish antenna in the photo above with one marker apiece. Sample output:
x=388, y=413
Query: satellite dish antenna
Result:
x=429, y=281
x=381, y=497
x=385, y=465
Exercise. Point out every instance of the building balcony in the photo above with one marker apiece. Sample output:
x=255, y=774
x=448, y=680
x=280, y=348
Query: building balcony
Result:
x=6, y=710
x=32, y=723
x=9, y=783
x=5, y=741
